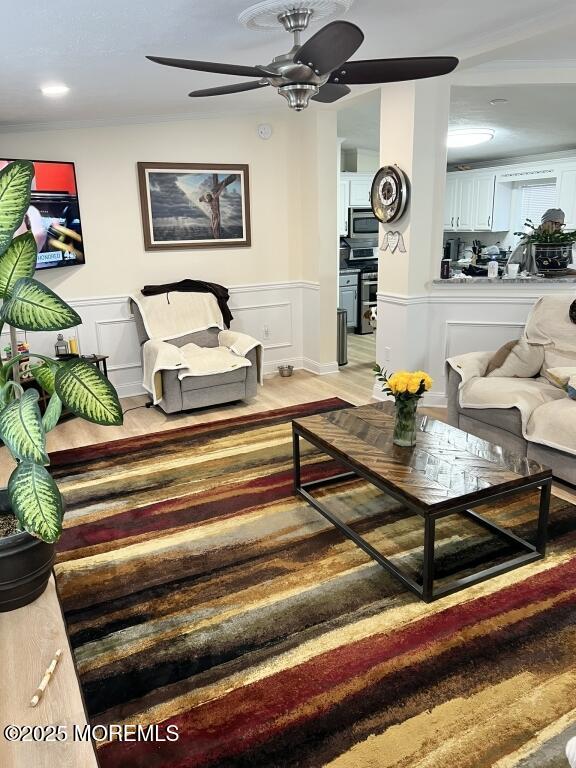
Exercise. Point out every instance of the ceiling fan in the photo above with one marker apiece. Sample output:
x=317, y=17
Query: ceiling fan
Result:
x=320, y=68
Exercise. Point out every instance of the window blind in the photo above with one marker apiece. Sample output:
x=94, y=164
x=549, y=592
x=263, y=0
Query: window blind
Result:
x=535, y=200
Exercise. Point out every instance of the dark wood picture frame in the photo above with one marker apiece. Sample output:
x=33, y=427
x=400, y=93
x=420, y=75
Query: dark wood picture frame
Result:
x=211, y=208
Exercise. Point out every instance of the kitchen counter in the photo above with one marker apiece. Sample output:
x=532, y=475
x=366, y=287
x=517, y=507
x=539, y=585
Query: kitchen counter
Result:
x=567, y=279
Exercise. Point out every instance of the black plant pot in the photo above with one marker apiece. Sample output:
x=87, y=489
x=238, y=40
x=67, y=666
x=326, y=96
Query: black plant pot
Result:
x=552, y=257
x=25, y=567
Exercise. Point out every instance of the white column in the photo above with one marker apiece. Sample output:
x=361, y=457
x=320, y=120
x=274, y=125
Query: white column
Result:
x=315, y=147
x=413, y=126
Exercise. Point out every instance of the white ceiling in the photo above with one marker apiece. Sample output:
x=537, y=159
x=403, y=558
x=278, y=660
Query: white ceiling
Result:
x=556, y=44
x=359, y=121
x=98, y=50
x=536, y=119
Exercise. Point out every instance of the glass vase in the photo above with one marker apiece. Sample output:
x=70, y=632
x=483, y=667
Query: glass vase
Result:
x=405, y=423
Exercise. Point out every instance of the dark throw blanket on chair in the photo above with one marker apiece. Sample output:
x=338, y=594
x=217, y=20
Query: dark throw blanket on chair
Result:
x=195, y=286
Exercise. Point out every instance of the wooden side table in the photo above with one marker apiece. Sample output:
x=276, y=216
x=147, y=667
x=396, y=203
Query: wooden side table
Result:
x=99, y=361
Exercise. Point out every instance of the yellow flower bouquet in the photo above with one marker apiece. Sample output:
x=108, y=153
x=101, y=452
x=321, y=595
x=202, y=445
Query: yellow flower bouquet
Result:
x=406, y=387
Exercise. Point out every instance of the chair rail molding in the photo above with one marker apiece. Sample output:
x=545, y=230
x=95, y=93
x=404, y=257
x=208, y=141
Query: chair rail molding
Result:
x=272, y=312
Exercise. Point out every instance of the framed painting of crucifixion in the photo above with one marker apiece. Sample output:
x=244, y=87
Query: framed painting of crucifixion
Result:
x=189, y=205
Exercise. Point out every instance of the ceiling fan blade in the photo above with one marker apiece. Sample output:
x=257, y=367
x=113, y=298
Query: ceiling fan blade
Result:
x=331, y=92
x=392, y=70
x=224, y=89
x=330, y=47
x=208, y=66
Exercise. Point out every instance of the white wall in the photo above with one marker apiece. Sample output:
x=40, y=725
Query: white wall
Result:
x=358, y=160
x=106, y=158
x=273, y=283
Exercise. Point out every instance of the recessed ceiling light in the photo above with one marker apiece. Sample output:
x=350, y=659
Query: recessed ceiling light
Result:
x=468, y=137
x=495, y=102
x=54, y=90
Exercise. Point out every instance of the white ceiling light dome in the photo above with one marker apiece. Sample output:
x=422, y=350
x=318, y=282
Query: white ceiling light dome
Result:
x=54, y=90
x=469, y=137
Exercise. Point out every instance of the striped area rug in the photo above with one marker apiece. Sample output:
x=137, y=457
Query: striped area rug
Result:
x=199, y=592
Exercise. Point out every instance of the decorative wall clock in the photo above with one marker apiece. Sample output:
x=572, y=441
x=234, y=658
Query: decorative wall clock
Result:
x=389, y=195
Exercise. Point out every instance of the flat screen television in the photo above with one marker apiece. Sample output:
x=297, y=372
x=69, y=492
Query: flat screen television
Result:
x=54, y=215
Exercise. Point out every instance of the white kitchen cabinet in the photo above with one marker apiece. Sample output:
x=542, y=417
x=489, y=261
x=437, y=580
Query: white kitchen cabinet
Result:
x=349, y=302
x=567, y=197
x=483, y=203
x=450, y=201
x=458, y=212
x=343, y=203
x=465, y=199
x=360, y=187
x=474, y=202
x=348, y=298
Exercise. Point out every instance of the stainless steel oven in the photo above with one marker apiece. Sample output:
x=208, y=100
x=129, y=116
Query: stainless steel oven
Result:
x=362, y=223
x=362, y=251
x=368, y=299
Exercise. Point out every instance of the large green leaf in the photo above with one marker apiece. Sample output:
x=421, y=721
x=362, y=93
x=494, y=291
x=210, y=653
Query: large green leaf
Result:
x=22, y=430
x=34, y=307
x=18, y=261
x=45, y=375
x=52, y=413
x=15, y=184
x=87, y=393
x=36, y=501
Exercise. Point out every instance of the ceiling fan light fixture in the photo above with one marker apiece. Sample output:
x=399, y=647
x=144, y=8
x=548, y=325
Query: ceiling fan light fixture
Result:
x=296, y=20
x=321, y=68
x=469, y=137
x=298, y=95
x=266, y=14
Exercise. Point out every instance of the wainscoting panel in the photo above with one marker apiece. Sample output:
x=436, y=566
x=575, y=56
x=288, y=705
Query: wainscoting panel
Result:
x=272, y=323
x=271, y=312
x=453, y=323
x=477, y=336
x=118, y=339
x=469, y=325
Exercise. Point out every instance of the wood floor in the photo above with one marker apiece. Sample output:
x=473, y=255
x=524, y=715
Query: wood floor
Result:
x=30, y=636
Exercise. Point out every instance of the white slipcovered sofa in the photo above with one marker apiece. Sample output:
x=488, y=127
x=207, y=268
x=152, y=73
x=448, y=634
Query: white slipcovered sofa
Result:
x=527, y=414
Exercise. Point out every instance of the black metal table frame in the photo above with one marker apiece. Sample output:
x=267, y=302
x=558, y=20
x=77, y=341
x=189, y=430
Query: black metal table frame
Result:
x=427, y=592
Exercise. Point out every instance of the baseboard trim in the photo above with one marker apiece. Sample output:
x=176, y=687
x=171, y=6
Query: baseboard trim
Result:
x=435, y=399
x=130, y=389
x=321, y=369
x=302, y=363
x=271, y=366
x=432, y=399
x=377, y=393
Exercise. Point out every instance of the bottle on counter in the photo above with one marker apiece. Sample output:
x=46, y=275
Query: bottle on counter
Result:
x=493, y=268
x=445, y=269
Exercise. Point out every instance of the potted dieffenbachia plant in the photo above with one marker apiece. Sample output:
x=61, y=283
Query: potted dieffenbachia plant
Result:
x=31, y=507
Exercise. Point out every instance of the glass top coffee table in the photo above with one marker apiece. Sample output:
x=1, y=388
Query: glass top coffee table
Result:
x=448, y=472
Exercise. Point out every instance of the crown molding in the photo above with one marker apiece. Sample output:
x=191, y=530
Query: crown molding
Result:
x=141, y=120
x=524, y=29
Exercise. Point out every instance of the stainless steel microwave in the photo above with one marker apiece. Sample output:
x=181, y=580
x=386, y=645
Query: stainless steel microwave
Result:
x=362, y=222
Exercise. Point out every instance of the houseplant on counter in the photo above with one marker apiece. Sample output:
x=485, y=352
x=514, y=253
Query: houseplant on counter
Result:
x=31, y=507
x=552, y=247
x=406, y=387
